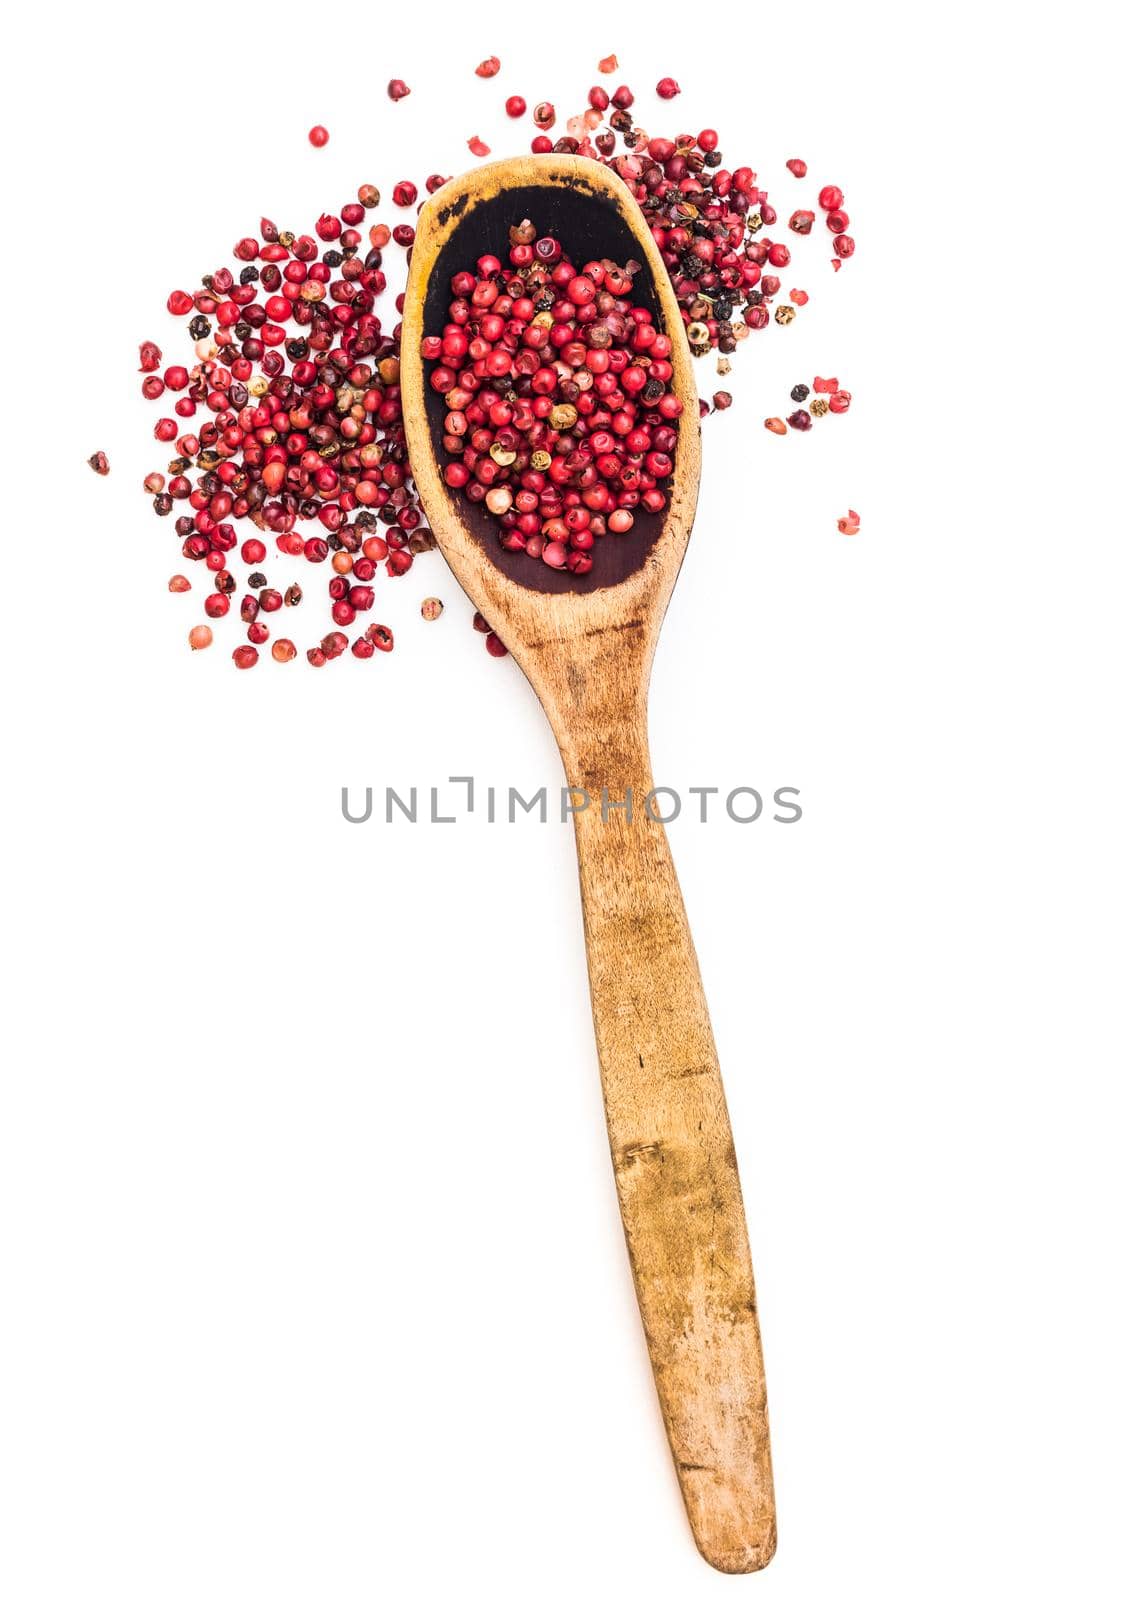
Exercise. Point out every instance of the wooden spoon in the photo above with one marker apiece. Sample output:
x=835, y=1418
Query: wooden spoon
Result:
x=586, y=647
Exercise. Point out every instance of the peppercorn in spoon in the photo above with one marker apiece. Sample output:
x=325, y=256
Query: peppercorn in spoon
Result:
x=585, y=640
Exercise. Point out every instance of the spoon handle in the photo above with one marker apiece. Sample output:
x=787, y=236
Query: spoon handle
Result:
x=672, y=1148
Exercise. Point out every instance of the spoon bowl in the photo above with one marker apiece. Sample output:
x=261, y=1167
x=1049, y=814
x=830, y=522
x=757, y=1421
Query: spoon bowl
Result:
x=586, y=646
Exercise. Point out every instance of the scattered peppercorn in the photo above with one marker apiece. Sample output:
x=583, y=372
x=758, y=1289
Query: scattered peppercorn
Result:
x=849, y=524
x=489, y=67
x=99, y=463
x=432, y=609
x=318, y=136
x=800, y=391
x=397, y=89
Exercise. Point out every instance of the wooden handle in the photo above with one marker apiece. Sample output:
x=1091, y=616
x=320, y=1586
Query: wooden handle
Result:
x=672, y=1148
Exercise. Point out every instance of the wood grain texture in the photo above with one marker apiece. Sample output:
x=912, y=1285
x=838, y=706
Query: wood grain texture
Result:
x=588, y=656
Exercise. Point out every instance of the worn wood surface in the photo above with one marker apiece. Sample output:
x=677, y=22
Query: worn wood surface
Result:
x=588, y=657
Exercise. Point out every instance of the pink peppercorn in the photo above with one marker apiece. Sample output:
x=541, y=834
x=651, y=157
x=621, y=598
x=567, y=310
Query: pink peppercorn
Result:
x=397, y=89
x=318, y=136
x=516, y=105
x=831, y=198
x=798, y=168
x=667, y=88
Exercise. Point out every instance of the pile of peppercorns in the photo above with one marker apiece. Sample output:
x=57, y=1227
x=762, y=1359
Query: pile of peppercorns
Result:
x=297, y=384
x=560, y=414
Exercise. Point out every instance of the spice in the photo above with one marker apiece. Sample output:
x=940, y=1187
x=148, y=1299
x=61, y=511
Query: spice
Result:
x=432, y=609
x=558, y=391
x=798, y=168
x=285, y=414
x=667, y=88
x=200, y=637
x=178, y=584
x=99, y=463
x=283, y=650
x=318, y=136
x=397, y=89
x=849, y=524
x=799, y=392
x=516, y=105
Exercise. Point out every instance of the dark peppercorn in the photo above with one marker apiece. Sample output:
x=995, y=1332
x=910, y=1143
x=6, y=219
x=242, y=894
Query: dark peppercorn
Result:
x=800, y=392
x=256, y=580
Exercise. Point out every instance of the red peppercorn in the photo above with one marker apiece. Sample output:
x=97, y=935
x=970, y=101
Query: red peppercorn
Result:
x=179, y=303
x=831, y=198
x=798, y=168
x=843, y=245
x=489, y=67
x=516, y=105
x=667, y=88
x=149, y=356
x=200, y=637
x=478, y=147
x=397, y=89
x=318, y=136
x=802, y=221
x=541, y=145
x=404, y=193
x=494, y=646
x=837, y=221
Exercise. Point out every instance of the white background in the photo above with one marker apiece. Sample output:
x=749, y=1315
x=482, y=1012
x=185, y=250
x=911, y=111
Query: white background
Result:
x=312, y=1273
